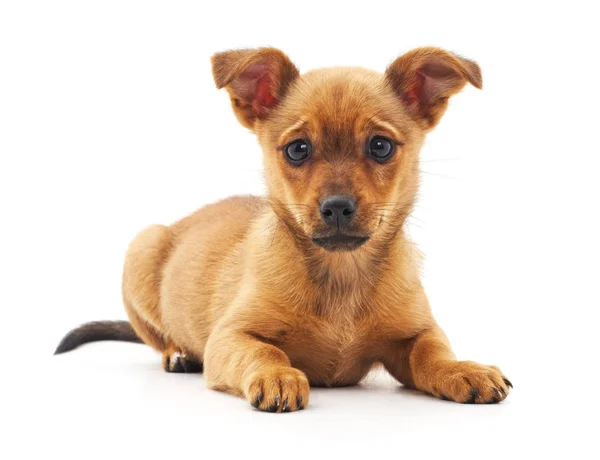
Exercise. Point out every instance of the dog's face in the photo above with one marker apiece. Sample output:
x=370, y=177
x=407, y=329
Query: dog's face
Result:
x=341, y=145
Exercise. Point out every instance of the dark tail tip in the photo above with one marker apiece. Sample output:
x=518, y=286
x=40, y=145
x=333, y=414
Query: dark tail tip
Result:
x=96, y=331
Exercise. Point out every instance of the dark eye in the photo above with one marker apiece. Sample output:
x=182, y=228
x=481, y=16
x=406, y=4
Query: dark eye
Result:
x=296, y=152
x=380, y=148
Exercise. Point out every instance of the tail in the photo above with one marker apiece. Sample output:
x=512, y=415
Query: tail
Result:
x=96, y=331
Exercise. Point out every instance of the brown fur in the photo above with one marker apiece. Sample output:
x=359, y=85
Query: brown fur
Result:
x=240, y=286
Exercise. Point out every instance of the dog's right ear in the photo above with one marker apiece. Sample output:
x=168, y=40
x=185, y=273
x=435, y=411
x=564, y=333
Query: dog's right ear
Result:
x=256, y=79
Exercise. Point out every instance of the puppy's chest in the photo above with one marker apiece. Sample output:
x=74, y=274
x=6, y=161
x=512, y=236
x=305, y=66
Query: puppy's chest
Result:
x=332, y=353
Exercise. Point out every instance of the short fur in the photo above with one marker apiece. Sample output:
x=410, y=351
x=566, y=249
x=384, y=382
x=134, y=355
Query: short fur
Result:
x=240, y=285
x=97, y=331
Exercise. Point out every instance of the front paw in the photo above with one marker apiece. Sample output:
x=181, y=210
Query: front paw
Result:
x=470, y=383
x=278, y=389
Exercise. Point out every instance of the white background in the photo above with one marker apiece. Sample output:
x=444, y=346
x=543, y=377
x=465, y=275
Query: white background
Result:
x=109, y=122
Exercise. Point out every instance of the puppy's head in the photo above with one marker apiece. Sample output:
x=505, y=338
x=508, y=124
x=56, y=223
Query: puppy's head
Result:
x=341, y=145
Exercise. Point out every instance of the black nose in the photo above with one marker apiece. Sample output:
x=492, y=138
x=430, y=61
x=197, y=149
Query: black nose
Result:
x=338, y=210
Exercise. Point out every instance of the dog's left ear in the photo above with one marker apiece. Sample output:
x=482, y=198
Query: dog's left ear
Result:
x=256, y=80
x=425, y=78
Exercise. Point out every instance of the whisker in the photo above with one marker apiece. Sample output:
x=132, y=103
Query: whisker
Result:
x=416, y=218
x=440, y=159
x=437, y=175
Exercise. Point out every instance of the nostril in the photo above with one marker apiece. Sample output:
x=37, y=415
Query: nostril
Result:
x=338, y=210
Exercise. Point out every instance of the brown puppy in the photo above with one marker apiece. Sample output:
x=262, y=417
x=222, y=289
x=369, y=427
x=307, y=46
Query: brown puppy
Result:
x=315, y=283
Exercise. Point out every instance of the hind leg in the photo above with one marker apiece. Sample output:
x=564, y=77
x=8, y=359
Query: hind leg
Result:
x=142, y=276
x=142, y=279
x=176, y=360
x=149, y=335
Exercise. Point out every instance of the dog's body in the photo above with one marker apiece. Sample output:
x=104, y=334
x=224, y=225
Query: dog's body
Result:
x=232, y=266
x=317, y=282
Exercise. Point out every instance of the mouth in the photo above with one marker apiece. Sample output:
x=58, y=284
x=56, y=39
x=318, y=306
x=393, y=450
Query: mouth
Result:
x=340, y=242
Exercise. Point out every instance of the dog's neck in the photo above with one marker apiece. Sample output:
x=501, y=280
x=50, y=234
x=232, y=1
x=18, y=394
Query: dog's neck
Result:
x=340, y=279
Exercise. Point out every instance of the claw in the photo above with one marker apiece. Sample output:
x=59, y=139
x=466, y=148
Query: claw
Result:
x=496, y=398
x=272, y=408
x=474, y=394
